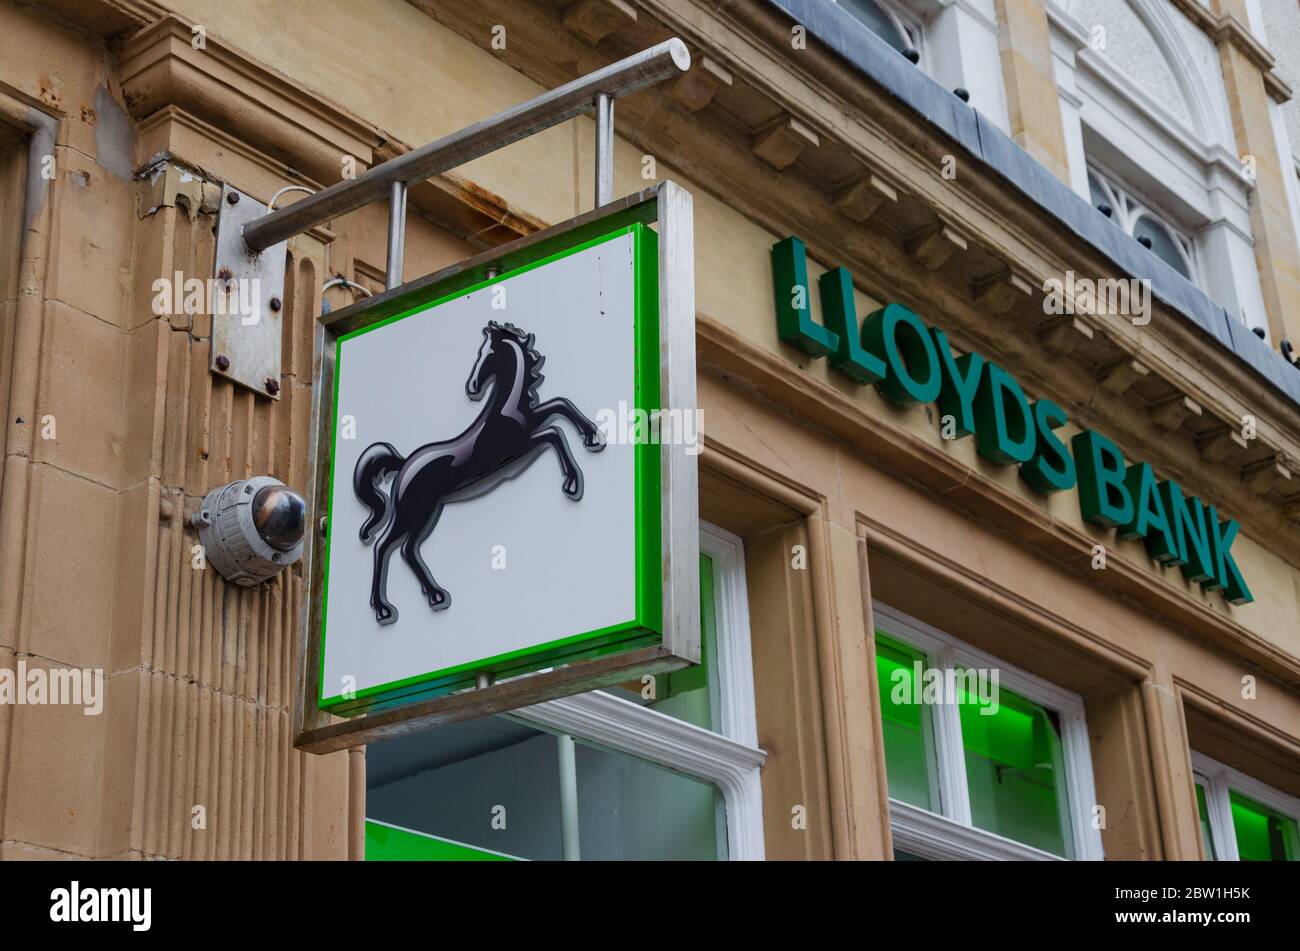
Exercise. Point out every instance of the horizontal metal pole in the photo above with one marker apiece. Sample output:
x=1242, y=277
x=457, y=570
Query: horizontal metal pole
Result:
x=638, y=71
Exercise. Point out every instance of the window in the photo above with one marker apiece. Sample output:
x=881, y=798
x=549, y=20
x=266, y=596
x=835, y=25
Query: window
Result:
x=1242, y=819
x=955, y=44
x=1150, y=229
x=1141, y=96
x=983, y=760
x=625, y=773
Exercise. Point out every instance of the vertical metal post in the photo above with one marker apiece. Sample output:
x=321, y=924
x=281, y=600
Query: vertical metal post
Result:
x=570, y=848
x=396, y=233
x=604, y=149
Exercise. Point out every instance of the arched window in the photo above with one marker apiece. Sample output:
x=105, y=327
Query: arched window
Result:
x=1157, y=237
x=954, y=44
x=1141, y=98
x=885, y=23
x=1152, y=230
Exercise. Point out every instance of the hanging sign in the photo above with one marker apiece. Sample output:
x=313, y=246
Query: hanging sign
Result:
x=492, y=528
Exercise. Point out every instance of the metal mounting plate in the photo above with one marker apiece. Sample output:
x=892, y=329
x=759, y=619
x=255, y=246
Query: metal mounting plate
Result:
x=247, y=301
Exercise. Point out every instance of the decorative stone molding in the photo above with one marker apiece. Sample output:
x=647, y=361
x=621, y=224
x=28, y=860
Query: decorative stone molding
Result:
x=1117, y=378
x=862, y=197
x=593, y=20
x=233, y=92
x=1171, y=412
x=696, y=89
x=1220, y=443
x=1007, y=291
x=280, y=131
x=780, y=143
x=934, y=245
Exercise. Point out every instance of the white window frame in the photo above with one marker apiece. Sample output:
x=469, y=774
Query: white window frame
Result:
x=1192, y=167
x=949, y=834
x=730, y=759
x=1218, y=780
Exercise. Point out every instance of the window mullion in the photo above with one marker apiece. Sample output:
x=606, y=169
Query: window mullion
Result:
x=1219, y=806
x=950, y=754
x=1077, y=762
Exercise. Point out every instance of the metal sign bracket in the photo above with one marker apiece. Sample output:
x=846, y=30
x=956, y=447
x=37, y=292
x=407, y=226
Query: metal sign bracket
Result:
x=246, y=298
x=670, y=208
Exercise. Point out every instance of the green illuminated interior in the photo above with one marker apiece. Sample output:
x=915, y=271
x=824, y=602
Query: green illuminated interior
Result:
x=1014, y=769
x=386, y=843
x=906, y=725
x=1263, y=835
x=1207, y=834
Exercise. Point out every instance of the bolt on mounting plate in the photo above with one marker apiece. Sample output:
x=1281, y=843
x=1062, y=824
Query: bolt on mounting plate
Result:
x=246, y=327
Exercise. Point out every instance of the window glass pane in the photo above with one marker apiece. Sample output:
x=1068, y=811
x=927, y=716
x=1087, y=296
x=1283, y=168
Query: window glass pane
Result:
x=877, y=21
x=1207, y=836
x=906, y=725
x=631, y=809
x=1162, y=243
x=1014, y=767
x=1262, y=834
x=689, y=694
x=491, y=789
x=387, y=843
x=488, y=784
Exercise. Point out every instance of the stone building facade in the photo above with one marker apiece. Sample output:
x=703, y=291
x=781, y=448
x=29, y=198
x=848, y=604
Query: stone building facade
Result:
x=833, y=122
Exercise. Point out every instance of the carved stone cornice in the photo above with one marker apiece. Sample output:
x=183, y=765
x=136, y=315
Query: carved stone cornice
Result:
x=160, y=66
x=217, y=92
x=104, y=18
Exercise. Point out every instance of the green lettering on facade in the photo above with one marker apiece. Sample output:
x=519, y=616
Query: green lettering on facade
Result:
x=841, y=316
x=1052, y=467
x=1004, y=425
x=961, y=379
x=1226, y=574
x=794, y=322
x=1191, y=537
x=1103, y=497
x=898, y=334
x=1150, y=521
x=913, y=363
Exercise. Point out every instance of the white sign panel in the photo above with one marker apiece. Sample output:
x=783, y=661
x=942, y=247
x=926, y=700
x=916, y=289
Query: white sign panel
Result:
x=490, y=505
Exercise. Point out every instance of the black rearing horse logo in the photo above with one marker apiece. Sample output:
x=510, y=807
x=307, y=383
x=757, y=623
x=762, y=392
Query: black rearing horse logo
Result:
x=509, y=433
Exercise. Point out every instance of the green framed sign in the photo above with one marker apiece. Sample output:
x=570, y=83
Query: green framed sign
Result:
x=502, y=515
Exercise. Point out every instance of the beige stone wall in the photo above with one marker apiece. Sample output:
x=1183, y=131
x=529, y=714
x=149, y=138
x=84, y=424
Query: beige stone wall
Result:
x=95, y=548
x=96, y=566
